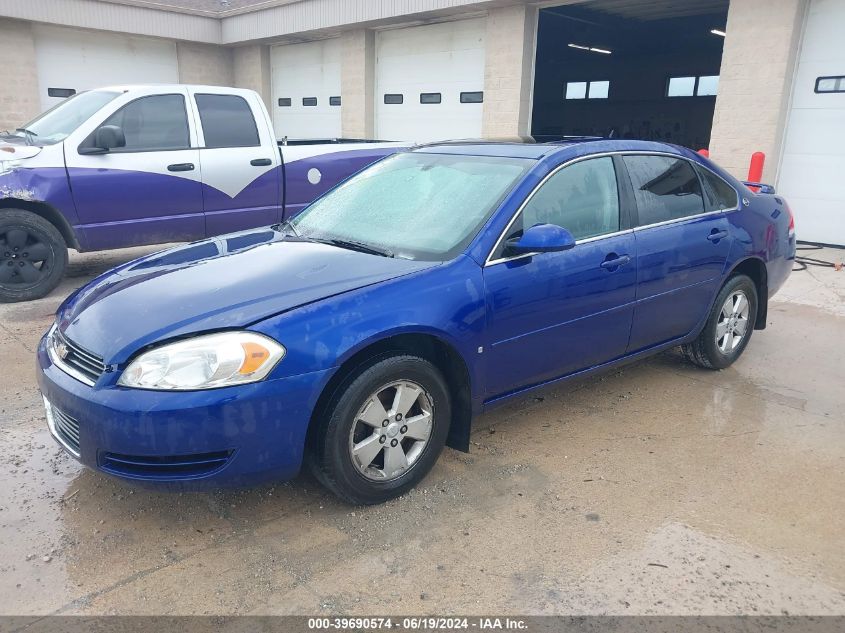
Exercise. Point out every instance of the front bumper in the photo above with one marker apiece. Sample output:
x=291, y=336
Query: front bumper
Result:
x=232, y=436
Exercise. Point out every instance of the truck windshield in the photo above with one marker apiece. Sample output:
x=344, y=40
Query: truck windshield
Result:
x=58, y=122
x=414, y=205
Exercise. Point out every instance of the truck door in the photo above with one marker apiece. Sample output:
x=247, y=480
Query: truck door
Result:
x=241, y=165
x=147, y=191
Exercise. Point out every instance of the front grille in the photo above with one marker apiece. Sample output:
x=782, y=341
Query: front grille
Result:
x=171, y=467
x=78, y=359
x=67, y=428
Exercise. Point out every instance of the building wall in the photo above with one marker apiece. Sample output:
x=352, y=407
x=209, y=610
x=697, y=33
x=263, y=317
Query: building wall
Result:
x=758, y=65
x=357, y=85
x=205, y=64
x=18, y=74
x=508, y=71
x=251, y=65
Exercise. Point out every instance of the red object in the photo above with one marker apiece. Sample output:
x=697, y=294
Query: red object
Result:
x=755, y=170
x=704, y=152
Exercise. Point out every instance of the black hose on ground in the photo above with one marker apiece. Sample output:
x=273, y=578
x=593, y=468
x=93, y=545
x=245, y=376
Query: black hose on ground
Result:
x=803, y=262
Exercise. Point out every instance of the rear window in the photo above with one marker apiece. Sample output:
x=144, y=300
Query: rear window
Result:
x=227, y=121
x=718, y=194
x=665, y=188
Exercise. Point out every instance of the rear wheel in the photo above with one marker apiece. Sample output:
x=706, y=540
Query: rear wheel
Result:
x=33, y=256
x=383, y=431
x=729, y=326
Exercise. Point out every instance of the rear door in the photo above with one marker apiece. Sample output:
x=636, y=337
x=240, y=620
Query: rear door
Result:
x=683, y=242
x=241, y=165
x=147, y=192
x=552, y=314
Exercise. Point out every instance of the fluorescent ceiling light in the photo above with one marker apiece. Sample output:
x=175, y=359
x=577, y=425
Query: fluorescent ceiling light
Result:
x=581, y=47
x=717, y=32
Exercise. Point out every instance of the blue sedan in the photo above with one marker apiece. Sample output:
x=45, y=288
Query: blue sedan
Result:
x=362, y=336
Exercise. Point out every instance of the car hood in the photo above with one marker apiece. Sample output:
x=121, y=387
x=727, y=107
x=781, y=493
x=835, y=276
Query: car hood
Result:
x=226, y=282
x=11, y=149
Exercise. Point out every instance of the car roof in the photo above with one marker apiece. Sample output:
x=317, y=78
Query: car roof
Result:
x=569, y=146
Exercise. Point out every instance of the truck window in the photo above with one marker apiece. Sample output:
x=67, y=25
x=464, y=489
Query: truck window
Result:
x=157, y=122
x=227, y=121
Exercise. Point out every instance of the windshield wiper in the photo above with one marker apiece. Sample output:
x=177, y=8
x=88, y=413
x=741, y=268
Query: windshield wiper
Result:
x=29, y=133
x=287, y=224
x=355, y=246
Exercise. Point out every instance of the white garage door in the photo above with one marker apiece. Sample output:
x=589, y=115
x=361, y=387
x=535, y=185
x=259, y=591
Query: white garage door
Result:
x=306, y=89
x=814, y=152
x=81, y=60
x=422, y=73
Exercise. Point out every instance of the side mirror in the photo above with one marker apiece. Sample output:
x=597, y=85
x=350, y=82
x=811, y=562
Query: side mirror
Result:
x=542, y=238
x=106, y=138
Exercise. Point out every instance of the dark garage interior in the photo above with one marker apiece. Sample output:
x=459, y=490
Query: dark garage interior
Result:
x=645, y=70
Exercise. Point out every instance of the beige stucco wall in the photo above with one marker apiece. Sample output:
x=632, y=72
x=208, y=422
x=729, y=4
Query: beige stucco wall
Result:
x=755, y=82
x=205, y=64
x=18, y=74
x=252, y=70
x=357, y=83
x=508, y=71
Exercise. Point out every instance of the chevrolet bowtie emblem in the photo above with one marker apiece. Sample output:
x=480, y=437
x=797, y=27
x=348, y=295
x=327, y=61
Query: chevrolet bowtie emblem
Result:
x=61, y=350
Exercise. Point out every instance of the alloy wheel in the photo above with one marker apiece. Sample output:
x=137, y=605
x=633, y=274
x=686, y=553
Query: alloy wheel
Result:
x=391, y=430
x=733, y=322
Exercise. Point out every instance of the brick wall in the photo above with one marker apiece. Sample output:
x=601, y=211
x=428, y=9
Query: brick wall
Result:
x=755, y=82
x=358, y=84
x=509, y=60
x=205, y=64
x=252, y=70
x=18, y=74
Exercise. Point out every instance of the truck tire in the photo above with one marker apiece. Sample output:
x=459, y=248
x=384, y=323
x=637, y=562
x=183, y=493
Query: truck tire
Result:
x=33, y=256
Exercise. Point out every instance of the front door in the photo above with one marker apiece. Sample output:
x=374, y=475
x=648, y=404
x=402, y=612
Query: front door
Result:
x=147, y=192
x=553, y=314
x=683, y=242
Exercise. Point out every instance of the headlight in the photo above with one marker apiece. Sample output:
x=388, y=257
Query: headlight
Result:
x=204, y=362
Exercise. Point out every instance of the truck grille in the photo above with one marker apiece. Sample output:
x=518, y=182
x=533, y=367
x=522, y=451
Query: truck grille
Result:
x=77, y=361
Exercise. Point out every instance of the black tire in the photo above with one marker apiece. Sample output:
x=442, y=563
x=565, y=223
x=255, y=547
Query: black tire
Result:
x=330, y=455
x=704, y=351
x=33, y=256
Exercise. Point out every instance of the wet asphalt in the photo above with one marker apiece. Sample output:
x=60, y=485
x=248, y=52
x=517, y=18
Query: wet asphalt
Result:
x=660, y=488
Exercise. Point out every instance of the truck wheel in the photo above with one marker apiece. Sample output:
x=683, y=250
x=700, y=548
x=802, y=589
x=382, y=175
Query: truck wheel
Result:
x=729, y=325
x=33, y=256
x=383, y=430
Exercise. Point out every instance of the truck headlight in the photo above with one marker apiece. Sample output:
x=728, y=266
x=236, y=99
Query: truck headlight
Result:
x=205, y=362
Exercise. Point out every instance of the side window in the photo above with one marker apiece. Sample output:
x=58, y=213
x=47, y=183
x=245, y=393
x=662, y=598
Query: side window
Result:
x=158, y=122
x=582, y=198
x=665, y=188
x=719, y=194
x=227, y=121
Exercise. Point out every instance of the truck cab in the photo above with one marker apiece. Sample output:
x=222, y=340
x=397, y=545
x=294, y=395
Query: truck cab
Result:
x=134, y=165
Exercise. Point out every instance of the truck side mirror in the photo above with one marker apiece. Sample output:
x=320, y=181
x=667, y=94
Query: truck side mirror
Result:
x=105, y=139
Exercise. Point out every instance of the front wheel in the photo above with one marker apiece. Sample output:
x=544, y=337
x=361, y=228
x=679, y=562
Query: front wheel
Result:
x=383, y=431
x=729, y=325
x=33, y=256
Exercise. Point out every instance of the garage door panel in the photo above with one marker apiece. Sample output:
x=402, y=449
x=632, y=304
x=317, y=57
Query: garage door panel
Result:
x=82, y=60
x=813, y=158
x=307, y=71
x=443, y=58
x=816, y=131
x=812, y=176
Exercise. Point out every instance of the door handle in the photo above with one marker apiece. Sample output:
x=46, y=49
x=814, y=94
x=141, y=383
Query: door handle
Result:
x=613, y=262
x=260, y=162
x=181, y=167
x=716, y=235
